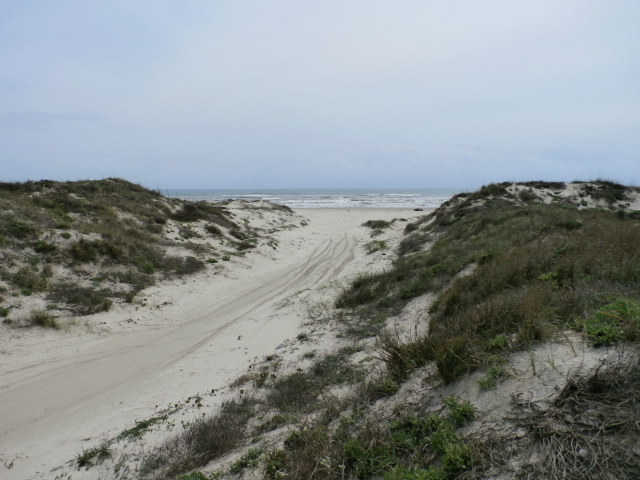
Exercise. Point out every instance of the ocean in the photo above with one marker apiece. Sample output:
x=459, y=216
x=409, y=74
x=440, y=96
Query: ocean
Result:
x=326, y=197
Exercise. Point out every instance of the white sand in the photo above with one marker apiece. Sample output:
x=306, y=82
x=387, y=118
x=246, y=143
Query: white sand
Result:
x=60, y=391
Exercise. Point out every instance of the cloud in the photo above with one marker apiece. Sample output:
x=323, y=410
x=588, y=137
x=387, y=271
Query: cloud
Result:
x=34, y=119
x=324, y=93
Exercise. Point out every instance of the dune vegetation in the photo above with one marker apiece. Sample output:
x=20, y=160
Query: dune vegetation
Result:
x=527, y=367
x=80, y=246
x=513, y=269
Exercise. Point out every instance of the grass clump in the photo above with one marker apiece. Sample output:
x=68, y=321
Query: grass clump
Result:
x=40, y=318
x=44, y=247
x=31, y=280
x=375, y=246
x=142, y=427
x=298, y=392
x=377, y=224
x=93, y=456
x=492, y=376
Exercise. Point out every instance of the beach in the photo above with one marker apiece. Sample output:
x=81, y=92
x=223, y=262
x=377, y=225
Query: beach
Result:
x=66, y=390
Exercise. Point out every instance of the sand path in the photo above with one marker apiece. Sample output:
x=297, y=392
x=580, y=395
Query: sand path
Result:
x=63, y=389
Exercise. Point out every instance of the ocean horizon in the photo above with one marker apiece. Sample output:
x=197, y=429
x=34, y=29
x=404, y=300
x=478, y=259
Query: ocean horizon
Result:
x=326, y=197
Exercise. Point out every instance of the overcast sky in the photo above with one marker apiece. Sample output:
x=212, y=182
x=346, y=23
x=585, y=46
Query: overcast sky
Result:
x=331, y=93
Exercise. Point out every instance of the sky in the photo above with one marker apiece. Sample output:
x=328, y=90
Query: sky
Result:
x=331, y=93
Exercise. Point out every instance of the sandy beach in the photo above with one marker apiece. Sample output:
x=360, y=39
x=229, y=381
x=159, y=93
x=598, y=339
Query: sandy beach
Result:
x=62, y=391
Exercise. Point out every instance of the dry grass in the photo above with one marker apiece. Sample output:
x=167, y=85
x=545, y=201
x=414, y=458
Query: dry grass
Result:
x=590, y=430
x=201, y=441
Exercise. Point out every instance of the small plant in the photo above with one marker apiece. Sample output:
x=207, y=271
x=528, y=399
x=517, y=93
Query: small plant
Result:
x=249, y=459
x=40, y=318
x=93, y=456
x=460, y=411
x=44, y=247
x=141, y=427
x=457, y=457
x=490, y=379
x=226, y=258
x=375, y=246
x=498, y=343
x=377, y=224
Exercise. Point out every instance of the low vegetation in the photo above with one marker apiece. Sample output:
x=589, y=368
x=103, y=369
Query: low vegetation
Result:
x=203, y=440
x=506, y=270
x=375, y=246
x=377, y=226
x=93, y=456
x=55, y=236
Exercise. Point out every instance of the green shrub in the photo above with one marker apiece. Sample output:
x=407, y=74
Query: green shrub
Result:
x=44, y=247
x=460, y=411
x=457, y=457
